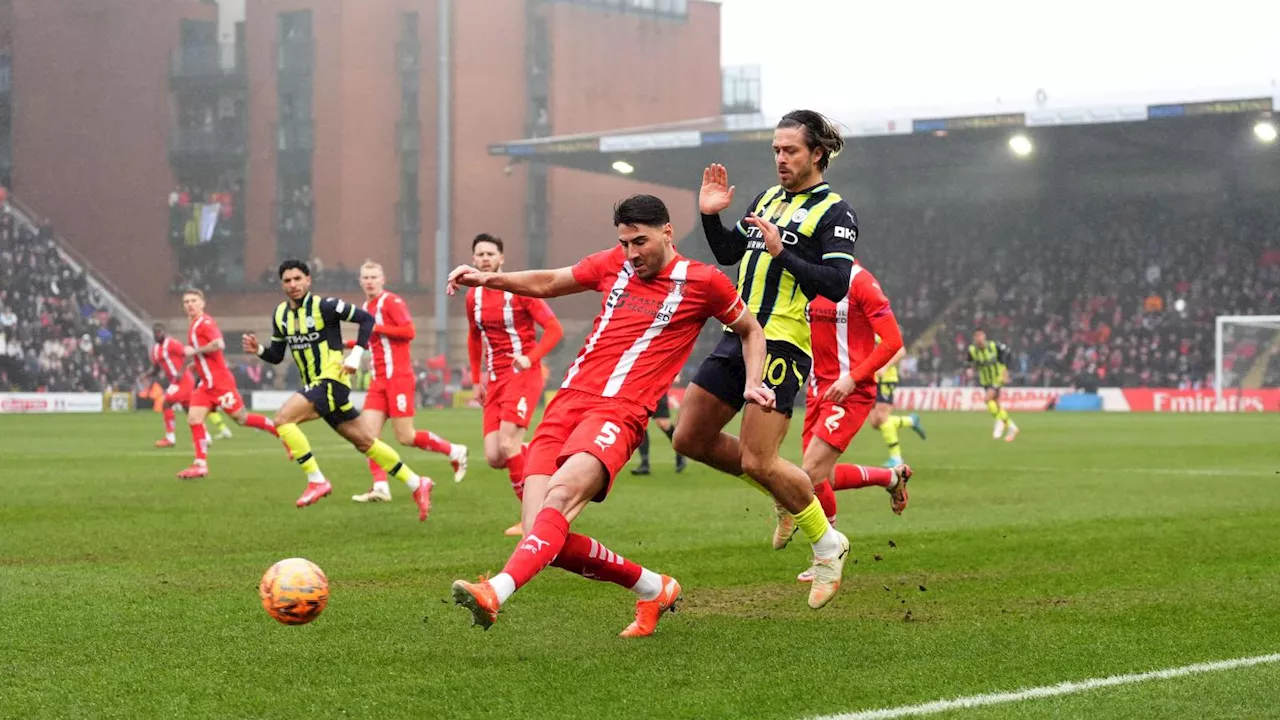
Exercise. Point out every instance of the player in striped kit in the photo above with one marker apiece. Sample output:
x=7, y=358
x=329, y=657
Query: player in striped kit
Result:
x=217, y=389
x=654, y=304
x=506, y=367
x=842, y=393
x=169, y=362
x=393, y=391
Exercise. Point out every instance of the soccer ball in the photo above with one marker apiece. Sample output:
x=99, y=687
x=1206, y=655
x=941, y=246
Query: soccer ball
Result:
x=294, y=591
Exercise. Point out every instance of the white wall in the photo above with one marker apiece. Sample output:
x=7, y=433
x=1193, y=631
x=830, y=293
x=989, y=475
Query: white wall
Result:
x=230, y=12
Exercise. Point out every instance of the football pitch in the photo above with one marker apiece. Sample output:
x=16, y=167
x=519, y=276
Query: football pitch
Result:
x=1095, y=546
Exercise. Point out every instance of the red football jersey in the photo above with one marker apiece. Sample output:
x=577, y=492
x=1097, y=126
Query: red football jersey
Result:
x=842, y=334
x=646, y=328
x=507, y=325
x=168, y=355
x=390, y=354
x=212, y=367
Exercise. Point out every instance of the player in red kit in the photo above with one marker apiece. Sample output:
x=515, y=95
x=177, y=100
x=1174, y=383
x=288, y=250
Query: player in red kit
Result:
x=169, y=362
x=842, y=392
x=506, y=367
x=217, y=388
x=393, y=392
x=655, y=302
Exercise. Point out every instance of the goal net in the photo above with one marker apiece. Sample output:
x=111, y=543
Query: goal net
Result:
x=1246, y=353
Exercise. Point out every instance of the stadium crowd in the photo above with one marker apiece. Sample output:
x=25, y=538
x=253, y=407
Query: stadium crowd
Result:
x=55, y=335
x=1126, y=295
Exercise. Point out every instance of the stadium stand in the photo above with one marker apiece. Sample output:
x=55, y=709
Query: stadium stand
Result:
x=56, y=333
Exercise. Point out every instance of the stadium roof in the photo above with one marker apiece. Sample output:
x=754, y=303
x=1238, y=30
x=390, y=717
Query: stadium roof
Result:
x=674, y=153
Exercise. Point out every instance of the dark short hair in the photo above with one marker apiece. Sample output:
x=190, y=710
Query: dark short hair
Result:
x=158, y=327
x=486, y=237
x=293, y=265
x=820, y=132
x=641, y=210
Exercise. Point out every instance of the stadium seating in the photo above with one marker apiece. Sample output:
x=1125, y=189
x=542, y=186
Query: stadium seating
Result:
x=55, y=333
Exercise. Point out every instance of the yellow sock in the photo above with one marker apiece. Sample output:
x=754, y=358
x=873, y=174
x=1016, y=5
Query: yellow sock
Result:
x=215, y=419
x=889, y=431
x=812, y=521
x=748, y=480
x=994, y=408
x=388, y=459
x=294, y=439
x=901, y=421
x=1004, y=415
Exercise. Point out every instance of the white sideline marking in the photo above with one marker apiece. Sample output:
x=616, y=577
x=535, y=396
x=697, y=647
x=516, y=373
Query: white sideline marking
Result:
x=1206, y=472
x=1065, y=688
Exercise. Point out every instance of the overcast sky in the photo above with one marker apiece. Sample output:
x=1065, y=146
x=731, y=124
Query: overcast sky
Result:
x=946, y=54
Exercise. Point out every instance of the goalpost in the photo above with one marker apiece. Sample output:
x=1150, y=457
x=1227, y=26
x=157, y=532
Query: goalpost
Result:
x=1252, y=344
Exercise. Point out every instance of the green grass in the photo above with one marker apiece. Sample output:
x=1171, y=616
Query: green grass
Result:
x=1095, y=545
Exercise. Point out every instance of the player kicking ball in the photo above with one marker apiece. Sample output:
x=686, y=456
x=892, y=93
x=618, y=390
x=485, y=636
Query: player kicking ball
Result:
x=217, y=389
x=393, y=392
x=655, y=303
x=310, y=329
x=842, y=394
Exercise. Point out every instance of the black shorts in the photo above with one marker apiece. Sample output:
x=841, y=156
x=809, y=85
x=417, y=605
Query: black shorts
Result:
x=662, y=411
x=884, y=392
x=332, y=400
x=724, y=372
x=993, y=387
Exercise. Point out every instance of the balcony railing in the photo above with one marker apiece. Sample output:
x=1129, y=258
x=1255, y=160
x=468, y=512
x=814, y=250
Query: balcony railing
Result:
x=225, y=61
x=225, y=142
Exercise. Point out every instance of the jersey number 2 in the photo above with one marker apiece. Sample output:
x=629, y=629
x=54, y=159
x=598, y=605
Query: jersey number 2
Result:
x=832, y=423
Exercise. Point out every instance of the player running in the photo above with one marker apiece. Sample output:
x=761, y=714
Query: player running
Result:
x=310, y=329
x=393, y=392
x=882, y=417
x=852, y=340
x=991, y=359
x=217, y=389
x=169, y=362
x=655, y=302
x=795, y=244
x=506, y=362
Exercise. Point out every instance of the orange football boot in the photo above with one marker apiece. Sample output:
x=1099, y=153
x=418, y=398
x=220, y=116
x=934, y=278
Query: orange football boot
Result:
x=649, y=611
x=480, y=598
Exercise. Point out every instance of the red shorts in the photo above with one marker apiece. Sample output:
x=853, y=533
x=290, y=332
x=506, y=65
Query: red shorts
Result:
x=512, y=399
x=222, y=396
x=575, y=422
x=834, y=423
x=393, y=397
x=179, y=393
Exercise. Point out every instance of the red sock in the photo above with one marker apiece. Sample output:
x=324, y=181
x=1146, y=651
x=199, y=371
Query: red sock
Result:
x=827, y=497
x=431, y=442
x=539, y=547
x=260, y=422
x=587, y=557
x=200, y=438
x=379, y=475
x=860, y=476
x=168, y=421
x=515, y=473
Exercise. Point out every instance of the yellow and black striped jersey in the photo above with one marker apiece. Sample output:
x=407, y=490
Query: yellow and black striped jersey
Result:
x=990, y=360
x=312, y=333
x=817, y=227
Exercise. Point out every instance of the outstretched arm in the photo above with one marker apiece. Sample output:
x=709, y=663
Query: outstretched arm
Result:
x=529, y=283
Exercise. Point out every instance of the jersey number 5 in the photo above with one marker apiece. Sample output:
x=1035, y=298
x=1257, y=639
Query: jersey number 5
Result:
x=608, y=435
